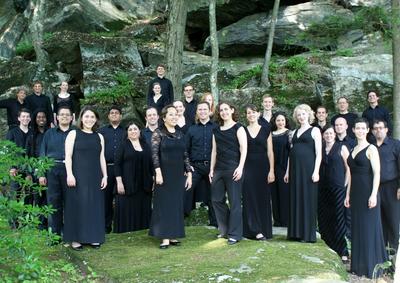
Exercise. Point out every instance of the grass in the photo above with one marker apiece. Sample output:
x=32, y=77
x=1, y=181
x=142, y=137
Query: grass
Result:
x=135, y=257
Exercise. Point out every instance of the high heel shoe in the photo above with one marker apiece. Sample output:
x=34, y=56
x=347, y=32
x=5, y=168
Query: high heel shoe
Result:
x=174, y=243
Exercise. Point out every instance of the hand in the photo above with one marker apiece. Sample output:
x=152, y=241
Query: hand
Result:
x=42, y=181
x=103, y=184
x=271, y=177
x=71, y=182
x=210, y=176
x=13, y=172
x=159, y=179
x=286, y=178
x=237, y=174
x=188, y=183
x=372, y=201
x=120, y=188
x=398, y=194
x=315, y=177
x=191, y=168
x=347, y=201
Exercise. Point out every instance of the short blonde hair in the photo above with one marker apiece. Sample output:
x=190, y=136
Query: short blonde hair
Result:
x=306, y=108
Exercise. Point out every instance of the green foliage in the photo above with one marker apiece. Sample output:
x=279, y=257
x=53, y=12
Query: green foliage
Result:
x=244, y=77
x=117, y=94
x=296, y=67
x=345, y=52
x=25, y=47
x=371, y=19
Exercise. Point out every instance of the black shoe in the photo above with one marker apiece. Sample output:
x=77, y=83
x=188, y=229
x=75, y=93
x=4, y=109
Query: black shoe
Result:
x=164, y=246
x=95, y=246
x=232, y=241
x=175, y=243
x=220, y=236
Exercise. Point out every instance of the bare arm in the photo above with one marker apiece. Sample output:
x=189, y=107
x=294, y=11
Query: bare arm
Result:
x=69, y=148
x=242, y=137
x=213, y=158
x=373, y=156
x=270, y=153
x=103, y=164
x=316, y=134
x=344, y=152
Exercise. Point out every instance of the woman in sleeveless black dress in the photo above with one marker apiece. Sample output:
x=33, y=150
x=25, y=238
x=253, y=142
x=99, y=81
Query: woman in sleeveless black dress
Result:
x=229, y=151
x=157, y=99
x=63, y=99
x=170, y=161
x=259, y=168
x=86, y=178
x=303, y=177
x=367, y=244
x=280, y=189
x=335, y=175
x=134, y=174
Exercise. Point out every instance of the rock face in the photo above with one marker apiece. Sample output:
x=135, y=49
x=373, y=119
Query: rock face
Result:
x=16, y=72
x=354, y=76
x=11, y=34
x=250, y=34
x=364, y=3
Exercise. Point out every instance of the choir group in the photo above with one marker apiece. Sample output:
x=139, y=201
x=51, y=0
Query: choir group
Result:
x=337, y=177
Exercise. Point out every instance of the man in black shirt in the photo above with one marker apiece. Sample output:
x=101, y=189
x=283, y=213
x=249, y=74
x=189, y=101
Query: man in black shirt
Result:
x=343, y=107
x=199, y=145
x=190, y=104
x=389, y=188
x=113, y=135
x=166, y=85
x=53, y=146
x=376, y=112
x=152, y=124
x=37, y=100
x=321, y=122
x=341, y=128
x=19, y=134
x=13, y=106
x=267, y=104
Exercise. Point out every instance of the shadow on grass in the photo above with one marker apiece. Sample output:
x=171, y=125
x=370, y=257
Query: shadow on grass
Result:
x=136, y=257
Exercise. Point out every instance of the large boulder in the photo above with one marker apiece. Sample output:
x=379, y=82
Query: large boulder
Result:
x=16, y=72
x=364, y=3
x=250, y=34
x=354, y=76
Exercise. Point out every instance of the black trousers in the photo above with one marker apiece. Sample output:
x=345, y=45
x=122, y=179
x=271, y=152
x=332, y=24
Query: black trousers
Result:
x=230, y=219
x=390, y=213
x=109, y=193
x=200, y=191
x=56, y=187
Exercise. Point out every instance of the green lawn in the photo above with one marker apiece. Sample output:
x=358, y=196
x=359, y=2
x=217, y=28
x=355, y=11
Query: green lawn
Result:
x=135, y=257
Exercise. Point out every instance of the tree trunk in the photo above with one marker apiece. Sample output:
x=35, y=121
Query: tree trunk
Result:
x=265, y=72
x=174, y=50
x=396, y=69
x=214, y=51
x=36, y=29
x=11, y=34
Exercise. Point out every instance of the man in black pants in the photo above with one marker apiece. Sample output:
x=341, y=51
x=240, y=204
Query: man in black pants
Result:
x=389, y=188
x=53, y=146
x=199, y=145
x=113, y=135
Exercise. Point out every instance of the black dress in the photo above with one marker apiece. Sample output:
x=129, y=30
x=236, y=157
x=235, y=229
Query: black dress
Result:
x=256, y=191
x=331, y=196
x=160, y=104
x=133, y=209
x=367, y=244
x=63, y=102
x=84, y=204
x=280, y=189
x=303, y=191
x=169, y=154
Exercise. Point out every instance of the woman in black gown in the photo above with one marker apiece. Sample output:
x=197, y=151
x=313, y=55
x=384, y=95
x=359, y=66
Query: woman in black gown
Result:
x=63, y=99
x=134, y=174
x=334, y=177
x=86, y=178
x=367, y=244
x=181, y=124
x=157, y=100
x=279, y=189
x=259, y=168
x=170, y=161
x=303, y=176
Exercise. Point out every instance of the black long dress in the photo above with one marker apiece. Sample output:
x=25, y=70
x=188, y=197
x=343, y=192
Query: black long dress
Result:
x=303, y=191
x=256, y=191
x=331, y=195
x=280, y=189
x=84, y=204
x=367, y=244
x=133, y=209
x=169, y=154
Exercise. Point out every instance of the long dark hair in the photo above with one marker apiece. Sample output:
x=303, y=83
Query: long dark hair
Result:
x=235, y=114
x=273, y=120
x=83, y=111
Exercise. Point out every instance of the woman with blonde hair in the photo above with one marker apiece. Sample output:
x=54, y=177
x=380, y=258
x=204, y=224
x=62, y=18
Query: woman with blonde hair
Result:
x=208, y=97
x=303, y=175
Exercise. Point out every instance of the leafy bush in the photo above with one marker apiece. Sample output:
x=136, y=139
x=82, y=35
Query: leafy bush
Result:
x=297, y=68
x=345, y=52
x=371, y=19
x=25, y=47
x=118, y=94
x=244, y=77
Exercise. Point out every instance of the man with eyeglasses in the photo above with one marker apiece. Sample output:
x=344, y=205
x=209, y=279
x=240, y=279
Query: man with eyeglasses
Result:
x=190, y=104
x=53, y=146
x=389, y=188
x=113, y=134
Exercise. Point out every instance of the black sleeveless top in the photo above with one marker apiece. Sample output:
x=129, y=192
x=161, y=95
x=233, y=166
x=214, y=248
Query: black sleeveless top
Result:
x=228, y=148
x=332, y=168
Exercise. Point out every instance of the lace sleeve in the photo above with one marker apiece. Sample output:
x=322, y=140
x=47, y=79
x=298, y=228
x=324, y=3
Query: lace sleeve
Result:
x=155, y=148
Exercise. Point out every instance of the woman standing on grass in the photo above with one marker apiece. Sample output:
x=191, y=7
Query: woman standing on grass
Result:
x=259, y=168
